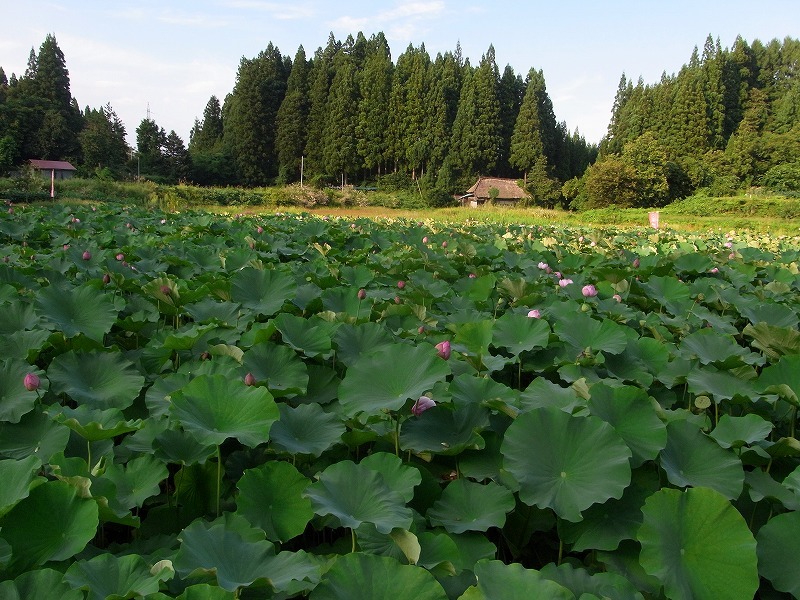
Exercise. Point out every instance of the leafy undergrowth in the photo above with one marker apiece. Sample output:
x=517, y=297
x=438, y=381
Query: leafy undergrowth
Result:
x=288, y=406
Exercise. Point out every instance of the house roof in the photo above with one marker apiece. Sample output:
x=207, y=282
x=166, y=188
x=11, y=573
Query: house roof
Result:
x=507, y=188
x=49, y=165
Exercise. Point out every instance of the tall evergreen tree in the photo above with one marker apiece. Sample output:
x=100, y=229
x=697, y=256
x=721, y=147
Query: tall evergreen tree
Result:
x=207, y=134
x=102, y=140
x=320, y=78
x=444, y=81
x=292, y=119
x=375, y=84
x=340, y=152
x=714, y=92
x=510, y=91
x=150, y=142
x=176, y=158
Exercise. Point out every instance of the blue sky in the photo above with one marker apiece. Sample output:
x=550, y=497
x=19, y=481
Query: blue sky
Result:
x=174, y=54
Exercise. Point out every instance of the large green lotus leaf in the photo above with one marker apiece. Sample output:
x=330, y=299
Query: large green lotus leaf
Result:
x=109, y=576
x=307, y=429
x=771, y=313
x=693, y=262
x=210, y=310
x=582, y=332
x=386, y=379
x=79, y=310
x=15, y=399
x=277, y=367
x=698, y=546
x=512, y=582
x=17, y=316
x=179, y=447
x=565, y=462
x=643, y=358
x=778, y=544
x=672, y=294
x=629, y=411
x=323, y=386
x=774, y=341
x=138, y=480
x=738, y=431
x=608, y=586
x=710, y=346
x=359, y=575
x=444, y=431
x=785, y=372
x=344, y=300
x=95, y=379
x=354, y=340
x=761, y=485
x=271, y=497
x=469, y=506
x=399, y=544
x=691, y=458
x=94, y=424
x=237, y=561
x=467, y=389
x=35, y=434
x=214, y=408
x=542, y=392
x=473, y=337
x=17, y=477
x=605, y=526
x=357, y=276
x=400, y=478
x=263, y=291
x=42, y=584
x=356, y=494
x=52, y=523
x=312, y=337
x=519, y=333
x=204, y=591
x=25, y=345
x=722, y=385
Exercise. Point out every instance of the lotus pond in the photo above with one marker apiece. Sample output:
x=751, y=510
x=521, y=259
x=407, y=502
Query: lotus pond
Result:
x=290, y=406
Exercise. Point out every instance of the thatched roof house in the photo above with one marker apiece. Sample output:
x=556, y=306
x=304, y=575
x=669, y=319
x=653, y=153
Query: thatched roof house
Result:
x=508, y=193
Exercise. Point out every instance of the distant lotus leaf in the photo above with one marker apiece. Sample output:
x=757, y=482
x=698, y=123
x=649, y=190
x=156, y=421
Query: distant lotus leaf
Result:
x=15, y=399
x=779, y=539
x=774, y=341
x=698, y=546
x=400, y=477
x=42, y=584
x=79, y=310
x=311, y=337
x=565, y=462
x=519, y=333
x=737, y=431
x=359, y=575
x=629, y=411
x=17, y=477
x=693, y=262
x=711, y=347
x=469, y=506
x=582, y=332
x=93, y=424
x=672, y=294
x=608, y=586
x=270, y=497
x=277, y=367
x=214, y=408
x=263, y=291
x=512, y=582
x=307, y=429
x=444, y=431
x=691, y=458
x=95, y=379
x=355, y=494
x=204, y=591
x=210, y=310
x=35, y=434
x=110, y=576
x=771, y=313
x=722, y=385
x=386, y=379
x=785, y=372
x=213, y=548
x=53, y=523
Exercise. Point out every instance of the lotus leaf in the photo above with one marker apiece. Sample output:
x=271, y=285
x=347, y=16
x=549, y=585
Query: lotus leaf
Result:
x=263, y=291
x=307, y=429
x=42, y=584
x=15, y=399
x=777, y=540
x=107, y=576
x=277, y=367
x=583, y=584
x=95, y=379
x=17, y=476
x=513, y=582
x=78, y=310
x=469, y=506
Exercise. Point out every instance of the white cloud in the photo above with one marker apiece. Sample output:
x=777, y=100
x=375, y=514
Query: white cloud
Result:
x=278, y=10
x=402, y=21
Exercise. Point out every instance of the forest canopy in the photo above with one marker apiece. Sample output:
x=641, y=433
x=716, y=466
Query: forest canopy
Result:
x=728, y=120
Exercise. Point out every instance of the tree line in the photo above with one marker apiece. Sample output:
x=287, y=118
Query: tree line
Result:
x=728, y=121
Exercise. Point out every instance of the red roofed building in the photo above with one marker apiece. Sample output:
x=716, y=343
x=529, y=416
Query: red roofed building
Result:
x=53, y=169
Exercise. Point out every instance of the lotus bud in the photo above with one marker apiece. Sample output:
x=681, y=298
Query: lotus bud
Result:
x=421, y=329
x=589, y=291
x=443, y=349
x=444, y=244
x=260, y=229
x=401, y=284
x=397, y=300
x=636, y=263
x=362, y=293
x=120, y=256
x=472, y=275
x=564, y=282
x=106, y=278
x=31, y=382
x=87, y=255
x=249, y=379
x=425, y=240
x=617, y=297
x=534, y=314
x=421, y=405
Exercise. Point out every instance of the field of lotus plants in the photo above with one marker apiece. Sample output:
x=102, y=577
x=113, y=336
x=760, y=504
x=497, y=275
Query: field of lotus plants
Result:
x=290, y=406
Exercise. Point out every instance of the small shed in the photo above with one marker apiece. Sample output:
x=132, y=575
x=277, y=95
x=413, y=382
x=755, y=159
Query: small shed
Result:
x=53, y=169
x=509, y=192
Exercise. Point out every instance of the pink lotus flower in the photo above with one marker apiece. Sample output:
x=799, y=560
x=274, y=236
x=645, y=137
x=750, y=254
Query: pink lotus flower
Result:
x=120, y=256
x=544, y=266
x=401, y=284
x=714, y=270
x=106, y=278
x=589, y=291
x=729, y=244
x=31, y=382
x=166, y=290
x=636, y=263
x=421, y=405
x=443, y=349
x=534, y=314
x=249, y=379
x=444, y=244
x=617, y=297
x=732, y=255
x=87, y=255
x=564, y=282
x=260, y=229
x=472, y=276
